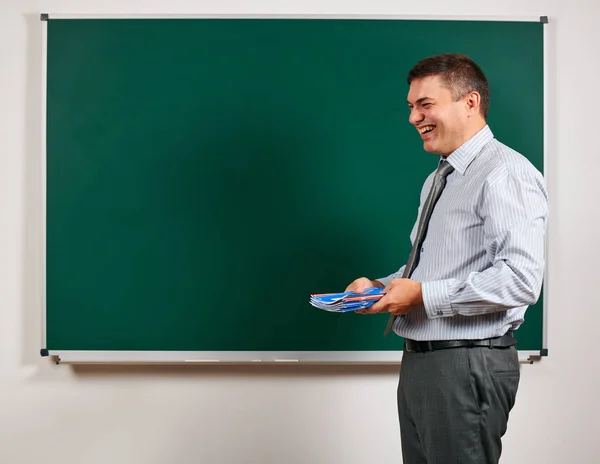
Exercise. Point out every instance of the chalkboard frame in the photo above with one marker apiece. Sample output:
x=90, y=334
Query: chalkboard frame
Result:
x=259, y=357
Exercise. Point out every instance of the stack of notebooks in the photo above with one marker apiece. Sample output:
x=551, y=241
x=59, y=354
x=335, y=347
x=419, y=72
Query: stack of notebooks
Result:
x=347, y=301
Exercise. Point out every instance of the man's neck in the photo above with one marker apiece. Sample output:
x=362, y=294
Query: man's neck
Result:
x=475, y=128
x=470, y=132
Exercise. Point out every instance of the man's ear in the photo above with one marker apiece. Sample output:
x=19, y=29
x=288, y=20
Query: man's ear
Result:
x=473, y=101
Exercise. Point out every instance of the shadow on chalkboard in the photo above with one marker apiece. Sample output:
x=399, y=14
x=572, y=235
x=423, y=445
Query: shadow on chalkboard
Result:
x=142, y=372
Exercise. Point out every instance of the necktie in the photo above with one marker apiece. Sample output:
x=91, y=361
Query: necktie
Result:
x=439, y=182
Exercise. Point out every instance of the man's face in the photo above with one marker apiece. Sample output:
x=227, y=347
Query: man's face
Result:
x=441, y=121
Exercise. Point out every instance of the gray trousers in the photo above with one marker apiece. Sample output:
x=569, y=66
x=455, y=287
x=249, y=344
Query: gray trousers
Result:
x=453, y=404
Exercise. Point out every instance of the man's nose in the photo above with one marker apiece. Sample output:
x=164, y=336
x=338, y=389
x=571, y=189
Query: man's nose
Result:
x=415, y=116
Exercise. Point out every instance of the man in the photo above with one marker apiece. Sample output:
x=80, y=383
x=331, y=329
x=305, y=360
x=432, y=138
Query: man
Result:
x=479, y=267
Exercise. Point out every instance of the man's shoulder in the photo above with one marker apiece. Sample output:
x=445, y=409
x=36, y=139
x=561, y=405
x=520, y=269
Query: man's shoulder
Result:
x=502, y=160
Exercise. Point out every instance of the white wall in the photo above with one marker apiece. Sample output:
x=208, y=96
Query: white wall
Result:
x=289, y=414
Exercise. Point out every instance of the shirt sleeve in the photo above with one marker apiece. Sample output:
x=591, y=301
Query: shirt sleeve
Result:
x=396, y=275
x=514, y=210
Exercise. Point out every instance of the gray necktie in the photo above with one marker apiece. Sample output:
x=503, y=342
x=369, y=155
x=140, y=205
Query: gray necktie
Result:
x=439, y=182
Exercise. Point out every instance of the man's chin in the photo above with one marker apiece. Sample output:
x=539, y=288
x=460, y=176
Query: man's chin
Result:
x=429, y=148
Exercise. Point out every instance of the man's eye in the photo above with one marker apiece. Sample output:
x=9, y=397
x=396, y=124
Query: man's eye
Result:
x=426, y=105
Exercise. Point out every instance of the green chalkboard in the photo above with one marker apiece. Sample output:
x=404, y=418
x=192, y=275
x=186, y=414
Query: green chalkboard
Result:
x=205, y=176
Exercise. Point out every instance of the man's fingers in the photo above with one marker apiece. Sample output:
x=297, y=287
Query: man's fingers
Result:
x=377, y=307
x=366, y=311
x=355, y=288
x=381, y=305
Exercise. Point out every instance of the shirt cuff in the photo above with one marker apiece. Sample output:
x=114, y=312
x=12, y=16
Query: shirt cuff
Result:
x=436, y=299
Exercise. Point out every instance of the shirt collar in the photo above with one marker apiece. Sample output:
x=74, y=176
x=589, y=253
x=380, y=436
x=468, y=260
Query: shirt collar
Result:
x=463, y=156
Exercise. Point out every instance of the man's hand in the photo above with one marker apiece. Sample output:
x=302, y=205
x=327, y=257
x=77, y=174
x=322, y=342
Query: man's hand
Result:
x=361, y=284
x=401, y=296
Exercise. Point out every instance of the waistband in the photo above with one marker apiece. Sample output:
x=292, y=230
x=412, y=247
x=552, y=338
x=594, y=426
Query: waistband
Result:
x=505, y=341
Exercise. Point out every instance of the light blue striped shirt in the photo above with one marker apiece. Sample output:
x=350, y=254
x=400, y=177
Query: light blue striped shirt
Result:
x=482, y=261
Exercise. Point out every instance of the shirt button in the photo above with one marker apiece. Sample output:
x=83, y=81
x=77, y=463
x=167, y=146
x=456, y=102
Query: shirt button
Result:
x=440, y=313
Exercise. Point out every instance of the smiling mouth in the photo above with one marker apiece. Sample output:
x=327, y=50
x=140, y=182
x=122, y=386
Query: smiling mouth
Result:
x=426, y=131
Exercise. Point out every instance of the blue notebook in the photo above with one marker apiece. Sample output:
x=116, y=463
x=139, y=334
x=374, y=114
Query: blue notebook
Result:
x=346, y=301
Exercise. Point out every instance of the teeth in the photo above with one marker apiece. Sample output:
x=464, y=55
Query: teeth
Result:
x=422, y=130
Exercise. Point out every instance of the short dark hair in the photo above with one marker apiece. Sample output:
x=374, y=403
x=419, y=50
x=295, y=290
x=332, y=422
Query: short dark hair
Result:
x=459, y=72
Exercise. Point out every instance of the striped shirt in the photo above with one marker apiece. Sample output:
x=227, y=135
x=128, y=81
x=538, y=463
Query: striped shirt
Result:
x=482, y=260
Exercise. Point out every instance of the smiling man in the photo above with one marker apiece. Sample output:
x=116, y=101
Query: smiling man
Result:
x=477, y=263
